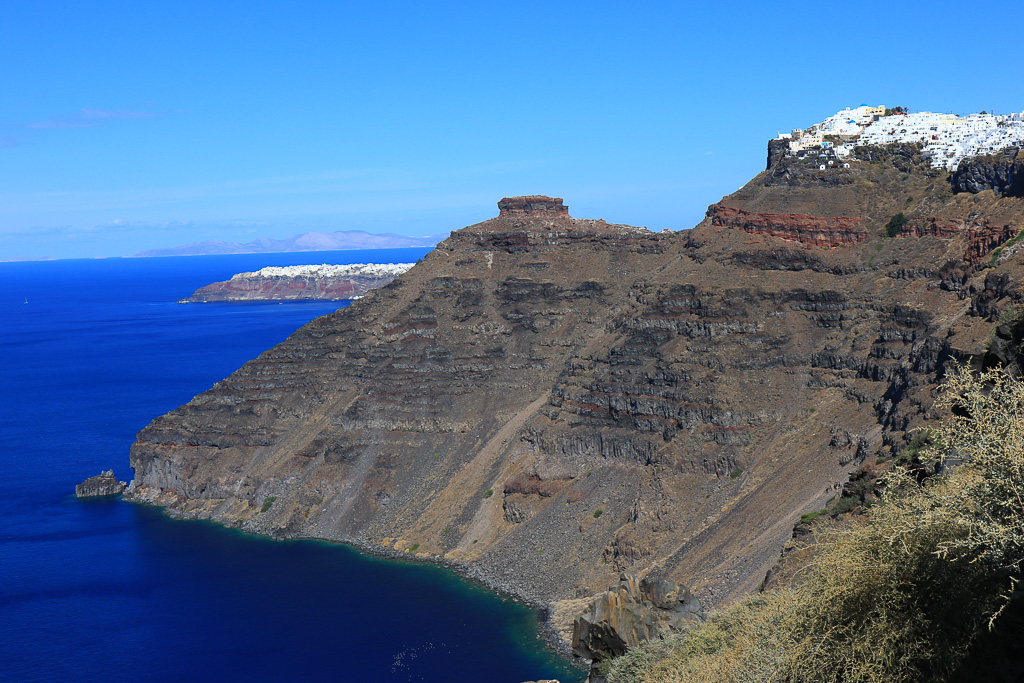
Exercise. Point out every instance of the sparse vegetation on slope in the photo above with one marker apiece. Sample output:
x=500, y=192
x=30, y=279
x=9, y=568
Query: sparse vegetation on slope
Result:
x=899, y=597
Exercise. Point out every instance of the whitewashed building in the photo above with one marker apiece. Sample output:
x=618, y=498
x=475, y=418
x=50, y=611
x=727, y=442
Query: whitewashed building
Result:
x=945, y=138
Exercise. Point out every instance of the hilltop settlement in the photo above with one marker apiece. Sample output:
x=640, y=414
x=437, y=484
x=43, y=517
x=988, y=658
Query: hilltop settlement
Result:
x=944, y=139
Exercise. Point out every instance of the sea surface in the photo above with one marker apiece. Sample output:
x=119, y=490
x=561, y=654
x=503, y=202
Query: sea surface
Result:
x=90, y=352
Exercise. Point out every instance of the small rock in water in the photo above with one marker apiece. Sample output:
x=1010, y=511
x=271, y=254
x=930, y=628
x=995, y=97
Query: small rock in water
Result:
x=103, y=484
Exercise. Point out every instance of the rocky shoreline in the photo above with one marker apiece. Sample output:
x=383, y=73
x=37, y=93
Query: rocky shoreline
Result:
x=549, y=631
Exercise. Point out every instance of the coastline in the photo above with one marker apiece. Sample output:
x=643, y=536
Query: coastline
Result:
x=547, y=631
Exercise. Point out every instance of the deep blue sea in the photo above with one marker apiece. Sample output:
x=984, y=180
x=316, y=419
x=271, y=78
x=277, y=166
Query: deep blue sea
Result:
x=106, y=590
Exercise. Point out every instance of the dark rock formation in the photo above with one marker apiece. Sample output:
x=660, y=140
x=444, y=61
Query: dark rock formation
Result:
x=776, y=150
x=103, y=484
x=632, y=612
x=1002, y=173
x=904, y=156
x=810, y=230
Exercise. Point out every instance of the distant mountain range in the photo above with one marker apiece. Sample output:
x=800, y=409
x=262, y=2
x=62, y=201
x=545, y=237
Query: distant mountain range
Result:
x=309, y=241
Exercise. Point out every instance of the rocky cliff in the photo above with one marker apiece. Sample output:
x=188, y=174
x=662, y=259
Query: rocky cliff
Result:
x=295, y=283
x=549, y=401
x=1002, y=173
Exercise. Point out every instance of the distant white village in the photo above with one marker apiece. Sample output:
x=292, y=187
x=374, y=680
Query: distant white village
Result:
x=329, y=271
x=946, y=139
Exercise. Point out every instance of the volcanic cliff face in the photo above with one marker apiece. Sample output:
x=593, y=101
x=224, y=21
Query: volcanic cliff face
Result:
x=1002, y=173
x=551, y=401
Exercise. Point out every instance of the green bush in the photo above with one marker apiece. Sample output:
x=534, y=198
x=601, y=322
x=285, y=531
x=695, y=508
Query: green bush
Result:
x=488, y=493
x=845, y=504
x=811, y=516
x=911, y=455
x=895, y=224
x=267, y=503
x=598, y=513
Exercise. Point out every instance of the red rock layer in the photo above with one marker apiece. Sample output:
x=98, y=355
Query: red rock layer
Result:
x=532, y=205
x=982, y=238
x=815, y=231
x=936, y=227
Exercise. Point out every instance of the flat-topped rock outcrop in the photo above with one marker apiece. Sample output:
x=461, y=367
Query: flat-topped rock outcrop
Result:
x=533, y=206
x=293, y=283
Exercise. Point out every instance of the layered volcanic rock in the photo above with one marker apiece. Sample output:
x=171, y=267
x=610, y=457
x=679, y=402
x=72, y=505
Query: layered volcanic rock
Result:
x=814, y=231
x=533, y=205
x=291, y=283
x=549, y=402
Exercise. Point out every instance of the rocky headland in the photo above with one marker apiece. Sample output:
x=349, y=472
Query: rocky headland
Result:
x=549, y=402
x=297, y=283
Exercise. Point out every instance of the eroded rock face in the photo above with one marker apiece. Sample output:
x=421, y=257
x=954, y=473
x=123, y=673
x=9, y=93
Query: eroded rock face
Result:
x=549, y=401
x=777, y=150
x=982, y=237
x=534, y=206
x=103, y=484
x=632, y=612
x=1001, y=173
x=815, y=231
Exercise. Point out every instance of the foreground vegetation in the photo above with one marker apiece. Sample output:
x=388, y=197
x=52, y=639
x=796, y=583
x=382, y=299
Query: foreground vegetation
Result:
x=903, y=595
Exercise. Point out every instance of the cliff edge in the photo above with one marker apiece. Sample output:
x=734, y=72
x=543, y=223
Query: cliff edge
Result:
x=549, y=401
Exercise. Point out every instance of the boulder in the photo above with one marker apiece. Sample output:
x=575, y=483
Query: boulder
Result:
x=103, y=484
x=630, y=613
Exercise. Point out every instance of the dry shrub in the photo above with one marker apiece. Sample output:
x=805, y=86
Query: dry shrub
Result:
x=899, y=597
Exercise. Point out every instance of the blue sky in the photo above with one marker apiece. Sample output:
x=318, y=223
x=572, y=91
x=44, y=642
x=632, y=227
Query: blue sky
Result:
x=134, y=125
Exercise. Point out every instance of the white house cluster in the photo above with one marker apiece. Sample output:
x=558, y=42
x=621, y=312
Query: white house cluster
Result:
x=945, y=139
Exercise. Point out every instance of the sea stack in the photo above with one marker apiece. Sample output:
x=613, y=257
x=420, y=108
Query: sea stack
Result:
x=103, y=484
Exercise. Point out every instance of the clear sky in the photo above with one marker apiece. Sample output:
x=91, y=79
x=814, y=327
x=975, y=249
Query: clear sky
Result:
x=135, y=125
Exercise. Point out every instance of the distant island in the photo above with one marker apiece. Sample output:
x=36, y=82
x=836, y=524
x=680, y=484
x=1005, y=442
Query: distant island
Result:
x=297, y=283
x=308, y=241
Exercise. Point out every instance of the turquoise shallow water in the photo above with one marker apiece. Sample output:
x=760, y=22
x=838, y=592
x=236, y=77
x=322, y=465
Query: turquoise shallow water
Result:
x=103, y=589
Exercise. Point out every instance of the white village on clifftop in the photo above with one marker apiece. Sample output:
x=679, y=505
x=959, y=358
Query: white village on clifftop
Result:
x=379, y=270
x=945, y=139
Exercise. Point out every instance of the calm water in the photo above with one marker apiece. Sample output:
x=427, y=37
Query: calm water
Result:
x=103, y=589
